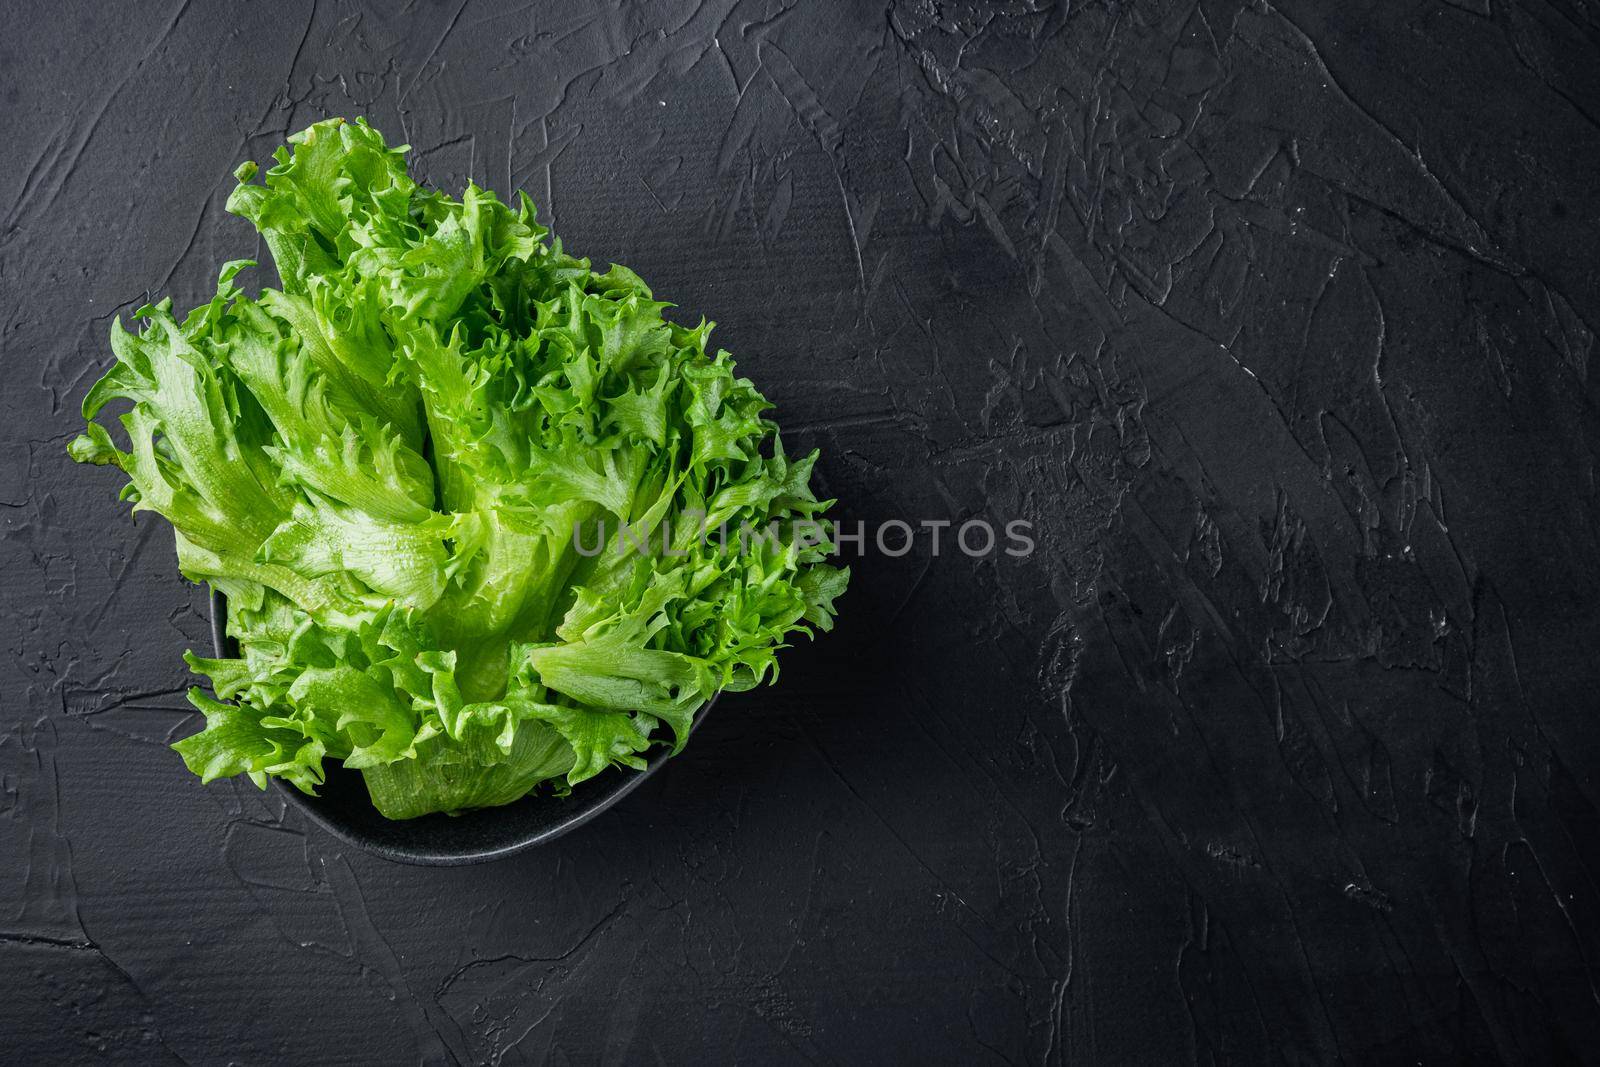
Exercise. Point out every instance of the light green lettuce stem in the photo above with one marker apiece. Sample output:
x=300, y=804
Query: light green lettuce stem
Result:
x=454, y=776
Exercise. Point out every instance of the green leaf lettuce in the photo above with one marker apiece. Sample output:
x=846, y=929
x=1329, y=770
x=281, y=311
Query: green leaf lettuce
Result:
x=463, y=494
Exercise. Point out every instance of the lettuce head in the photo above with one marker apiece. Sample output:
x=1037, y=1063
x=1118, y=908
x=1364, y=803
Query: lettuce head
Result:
x=486, y=521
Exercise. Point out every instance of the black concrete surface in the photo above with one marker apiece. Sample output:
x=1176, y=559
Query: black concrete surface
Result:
x=1275, y=320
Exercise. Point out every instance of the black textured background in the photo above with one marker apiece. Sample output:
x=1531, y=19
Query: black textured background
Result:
x=1276, y=320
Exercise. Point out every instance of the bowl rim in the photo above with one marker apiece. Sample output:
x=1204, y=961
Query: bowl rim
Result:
x=226, y=647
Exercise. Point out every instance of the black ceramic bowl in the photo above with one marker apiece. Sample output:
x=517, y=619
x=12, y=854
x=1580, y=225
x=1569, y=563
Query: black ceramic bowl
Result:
x=344, y=810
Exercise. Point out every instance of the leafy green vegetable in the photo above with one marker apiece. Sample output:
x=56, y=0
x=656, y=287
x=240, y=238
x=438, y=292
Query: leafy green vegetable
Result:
x=422, y=472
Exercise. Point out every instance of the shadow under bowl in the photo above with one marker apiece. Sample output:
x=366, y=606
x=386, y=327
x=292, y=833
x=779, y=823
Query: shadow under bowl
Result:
x=343, y=808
